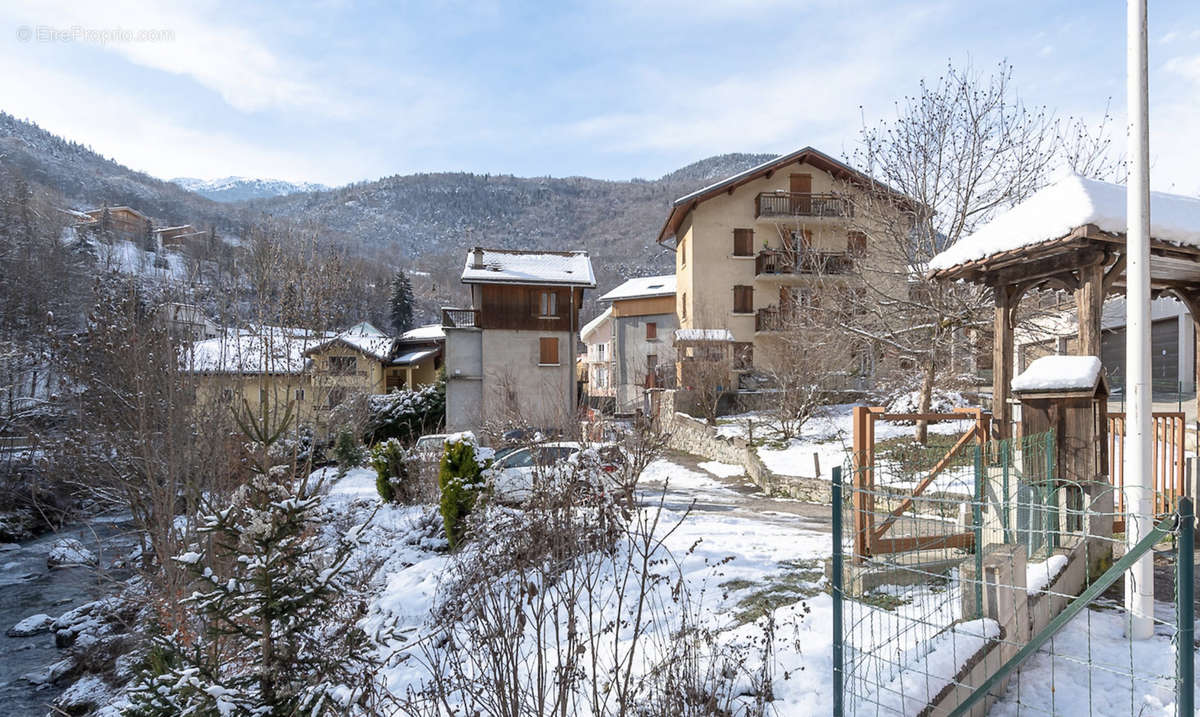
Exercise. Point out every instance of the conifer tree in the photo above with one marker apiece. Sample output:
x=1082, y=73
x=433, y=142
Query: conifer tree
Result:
x=402, y=303
x=272, y=632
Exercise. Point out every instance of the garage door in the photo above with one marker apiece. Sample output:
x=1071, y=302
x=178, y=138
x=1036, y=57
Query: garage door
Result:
x=1164, y=354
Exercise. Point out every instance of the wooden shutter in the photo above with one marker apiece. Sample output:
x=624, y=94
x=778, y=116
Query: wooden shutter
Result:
x=743, y=242
x=743, y=299
x=800, y=185
x=856, y=244
x=651, y=330
x=548, y=351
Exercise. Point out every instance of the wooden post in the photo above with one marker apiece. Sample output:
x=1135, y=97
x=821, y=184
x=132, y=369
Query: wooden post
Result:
x=1002, y=361
x=1089, y=302
x=863, y=498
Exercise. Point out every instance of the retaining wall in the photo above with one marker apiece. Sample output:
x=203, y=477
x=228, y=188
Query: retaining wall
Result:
x=692, y=435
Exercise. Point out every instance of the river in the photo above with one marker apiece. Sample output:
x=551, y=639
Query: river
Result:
x=28, y=587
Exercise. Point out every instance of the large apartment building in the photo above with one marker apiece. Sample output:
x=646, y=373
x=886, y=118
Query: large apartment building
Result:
x=510, y=356
x=757, y=247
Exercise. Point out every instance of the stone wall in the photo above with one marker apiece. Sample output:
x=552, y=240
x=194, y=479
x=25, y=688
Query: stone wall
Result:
x=692, y=435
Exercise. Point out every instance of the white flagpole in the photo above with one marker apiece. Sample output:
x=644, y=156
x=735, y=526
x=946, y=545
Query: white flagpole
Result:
x=1139, y=581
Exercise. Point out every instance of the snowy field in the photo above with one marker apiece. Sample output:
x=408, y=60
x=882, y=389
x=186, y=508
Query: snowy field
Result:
x=741, y=569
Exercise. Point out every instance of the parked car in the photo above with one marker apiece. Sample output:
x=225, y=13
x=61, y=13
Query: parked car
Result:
x=514, y=475
x=430, y=447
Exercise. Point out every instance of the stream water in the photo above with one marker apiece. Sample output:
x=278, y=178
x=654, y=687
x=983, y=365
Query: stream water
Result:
x=28, y=587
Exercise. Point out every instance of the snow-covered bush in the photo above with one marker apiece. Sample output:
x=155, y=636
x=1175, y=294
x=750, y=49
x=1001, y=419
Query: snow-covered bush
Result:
x=460, y=479
x=407, y=414
x=940, y=402
x=398, y=479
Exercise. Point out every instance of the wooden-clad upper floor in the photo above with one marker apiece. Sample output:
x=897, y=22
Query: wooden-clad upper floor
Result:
x=533, y=308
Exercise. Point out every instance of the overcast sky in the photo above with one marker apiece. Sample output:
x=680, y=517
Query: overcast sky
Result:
x=335, y=91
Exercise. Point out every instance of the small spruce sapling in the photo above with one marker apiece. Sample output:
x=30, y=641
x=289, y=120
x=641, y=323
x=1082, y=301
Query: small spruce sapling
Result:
x=270, y=628
x=460, y=479
x=346, y=452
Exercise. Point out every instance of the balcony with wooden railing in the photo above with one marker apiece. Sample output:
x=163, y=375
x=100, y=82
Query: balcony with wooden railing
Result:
x=805, y=261
x=794, y=204
x=460, y=318
x=772, y=318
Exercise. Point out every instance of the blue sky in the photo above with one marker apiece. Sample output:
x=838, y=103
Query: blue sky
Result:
x=339, y=91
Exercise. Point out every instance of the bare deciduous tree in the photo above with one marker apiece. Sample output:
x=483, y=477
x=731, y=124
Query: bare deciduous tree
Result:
x=963, y=148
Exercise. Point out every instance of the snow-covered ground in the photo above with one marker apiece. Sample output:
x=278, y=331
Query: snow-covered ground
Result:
x=742, y=566
x=829, y=435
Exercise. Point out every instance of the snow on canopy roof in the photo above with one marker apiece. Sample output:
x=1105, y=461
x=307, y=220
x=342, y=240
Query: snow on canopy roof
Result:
x=267, y=349
x=1059, y=373
x=428, y=332
x=363, y=337
x=703, y=335
x=590, y=327
x=507, y=266
x=411, y=357
x=1055, y=211
x=643, y=287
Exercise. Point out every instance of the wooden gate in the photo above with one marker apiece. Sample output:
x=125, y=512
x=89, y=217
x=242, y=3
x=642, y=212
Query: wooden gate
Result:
x=868, y=537
x=1169, y=474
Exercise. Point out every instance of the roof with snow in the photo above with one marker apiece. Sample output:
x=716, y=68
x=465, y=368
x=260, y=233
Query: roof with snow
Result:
x=268, y=349
x=703, y=335
x=508, y=266
x=362, y=337
x=591, y=327
x=643, y=287
x=1059, y=373
x=410, y=357
x=428, y=332
x=1066, y=209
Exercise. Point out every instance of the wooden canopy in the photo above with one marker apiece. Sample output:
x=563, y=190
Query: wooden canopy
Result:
x=1088, y=262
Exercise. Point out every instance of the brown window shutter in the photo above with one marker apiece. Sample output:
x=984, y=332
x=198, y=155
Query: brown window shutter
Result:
x=856, y=243
x=651, y=330
x=548, y=350
x=743, y=299
x=743, y=242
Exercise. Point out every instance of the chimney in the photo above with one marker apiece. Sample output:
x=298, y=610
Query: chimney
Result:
x=477, y=258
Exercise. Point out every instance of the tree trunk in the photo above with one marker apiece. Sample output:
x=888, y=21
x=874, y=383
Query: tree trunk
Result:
x=926, y=399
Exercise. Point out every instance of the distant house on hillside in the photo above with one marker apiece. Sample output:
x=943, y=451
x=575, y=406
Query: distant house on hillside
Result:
x=118, y=222
x=510, y=356
x=643, y=328
x=189, y=322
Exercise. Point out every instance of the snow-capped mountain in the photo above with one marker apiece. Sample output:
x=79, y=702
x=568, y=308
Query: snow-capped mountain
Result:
x=236, y=189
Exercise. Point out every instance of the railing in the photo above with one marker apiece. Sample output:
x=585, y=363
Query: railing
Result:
x=460, y=318
x=794, y=204
x=1170, y=479
x=771, y=319
x=775, y=261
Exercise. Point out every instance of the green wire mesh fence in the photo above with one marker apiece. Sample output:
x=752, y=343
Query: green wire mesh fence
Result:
x=935, y=594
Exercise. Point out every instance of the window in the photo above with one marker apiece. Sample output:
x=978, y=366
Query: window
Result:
x=226, y=395
x=683, y=253
x=683, y=305
x=651, y=362
x=548, y=303
x=600, y=352
x=743, y=242
x=548, y=351
x=336, y=396
x=743, y=355
x=651, y=330
x=342, y=365
x=856, y=244
x=743, y=299
x=299, y=394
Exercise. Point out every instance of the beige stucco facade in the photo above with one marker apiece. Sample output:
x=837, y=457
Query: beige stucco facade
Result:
x=707, y=269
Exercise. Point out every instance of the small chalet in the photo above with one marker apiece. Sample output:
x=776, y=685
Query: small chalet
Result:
x=510, y=355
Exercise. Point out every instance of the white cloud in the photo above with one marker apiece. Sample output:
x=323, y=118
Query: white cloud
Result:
x=205, y=45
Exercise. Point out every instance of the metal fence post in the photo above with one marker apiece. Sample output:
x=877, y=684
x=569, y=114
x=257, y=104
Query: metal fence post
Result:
x=838, y=587
x=1185, y=609
x=977, y=519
